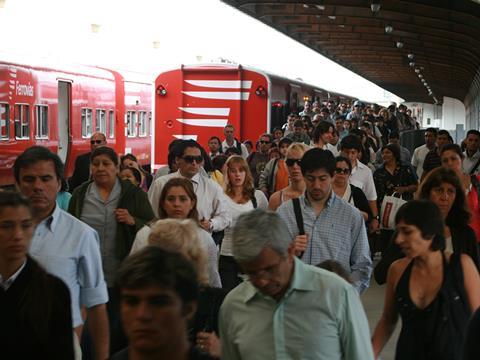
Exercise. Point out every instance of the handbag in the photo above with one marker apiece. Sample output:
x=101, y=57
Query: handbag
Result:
x=388, y=210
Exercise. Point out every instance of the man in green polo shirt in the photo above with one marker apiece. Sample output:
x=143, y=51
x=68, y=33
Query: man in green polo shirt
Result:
x=287, y=309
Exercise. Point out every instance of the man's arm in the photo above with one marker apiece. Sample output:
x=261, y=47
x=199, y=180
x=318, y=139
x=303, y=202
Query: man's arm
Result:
x=360, y=261
x=220, y=216
x=99, y=330
x=353, y=329
x=229, y=351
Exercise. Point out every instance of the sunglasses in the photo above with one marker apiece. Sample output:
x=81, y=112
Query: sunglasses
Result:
x=342, y=171
x=264, y=142
x=98, y=142
x=190, y=159
x=291, y=162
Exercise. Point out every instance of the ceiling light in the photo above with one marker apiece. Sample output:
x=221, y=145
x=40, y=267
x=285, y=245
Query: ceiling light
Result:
x=305, y=6
x=320, y=7
x=95, y=28
x=417, y=71
x=388, y=29
x=342, y=26
x=375, y=7
x=412, y=64
x=332, y=17
x=399, y=44
x=410, y=56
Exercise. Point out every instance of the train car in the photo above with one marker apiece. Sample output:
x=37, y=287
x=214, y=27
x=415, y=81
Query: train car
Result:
x=61, y=107
x=196, y=102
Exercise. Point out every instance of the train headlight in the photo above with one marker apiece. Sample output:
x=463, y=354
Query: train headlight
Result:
x=161, y=90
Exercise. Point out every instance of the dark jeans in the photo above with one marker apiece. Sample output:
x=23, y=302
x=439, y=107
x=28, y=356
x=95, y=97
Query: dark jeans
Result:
x=229, y=270
x=118, y=340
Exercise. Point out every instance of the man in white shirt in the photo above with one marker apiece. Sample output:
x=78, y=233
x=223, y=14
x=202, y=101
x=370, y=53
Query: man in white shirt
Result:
x=471, y=162
x=211, y=201
x=361, y=176
x=230, y=141
x=421, y=152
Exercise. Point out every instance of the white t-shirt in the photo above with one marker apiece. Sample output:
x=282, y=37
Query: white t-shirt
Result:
x=418, y=158
x=235, y=211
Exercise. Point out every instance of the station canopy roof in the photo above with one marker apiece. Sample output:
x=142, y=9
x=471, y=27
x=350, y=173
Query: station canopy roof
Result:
x=396, y=44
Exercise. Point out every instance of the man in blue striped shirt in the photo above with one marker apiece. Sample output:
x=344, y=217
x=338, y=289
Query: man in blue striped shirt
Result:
x=334, y=230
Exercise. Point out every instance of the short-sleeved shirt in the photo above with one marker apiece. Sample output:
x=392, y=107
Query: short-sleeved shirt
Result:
x=320, y=317
x=100, y=215
x=418, y=158
x=69, y=249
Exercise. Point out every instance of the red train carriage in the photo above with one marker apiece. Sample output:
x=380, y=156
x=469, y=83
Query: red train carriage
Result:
x=196, y=102
x=61, y=108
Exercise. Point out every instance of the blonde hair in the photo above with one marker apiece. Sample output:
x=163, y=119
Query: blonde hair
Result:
x=296, y=146
x=181, y=236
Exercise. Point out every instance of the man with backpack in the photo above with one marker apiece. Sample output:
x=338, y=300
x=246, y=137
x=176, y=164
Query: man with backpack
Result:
x=324, y=227
x=230, y=141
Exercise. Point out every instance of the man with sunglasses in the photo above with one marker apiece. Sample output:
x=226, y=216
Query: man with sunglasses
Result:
x=287, y=309
x=257, y=160
x=211, y=201
x=333, y=229
x=81, y=172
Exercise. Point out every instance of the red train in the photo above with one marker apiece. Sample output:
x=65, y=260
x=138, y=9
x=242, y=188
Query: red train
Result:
x=196, y=102
x=60, y=107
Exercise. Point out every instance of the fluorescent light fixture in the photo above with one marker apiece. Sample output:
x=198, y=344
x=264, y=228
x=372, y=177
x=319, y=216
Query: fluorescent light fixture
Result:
x=375, y=7
x=388, y=29
x=320, y=7
x=331, y=17
x=399, y=44
x=305, y=6
x=410, y=56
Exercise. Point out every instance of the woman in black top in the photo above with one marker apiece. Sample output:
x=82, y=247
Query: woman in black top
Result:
x=35, y=313
x=434, y=291
x=442, y=187
x=348, y=192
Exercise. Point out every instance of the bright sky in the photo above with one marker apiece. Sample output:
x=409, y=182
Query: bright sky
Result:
x=187, y=32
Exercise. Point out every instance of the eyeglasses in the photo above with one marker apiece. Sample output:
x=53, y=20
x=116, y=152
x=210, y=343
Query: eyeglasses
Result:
x=98, y=142
x=190, y=159
x=266, y=273
x=342, y=171
x=291, y=162
x=264, y=142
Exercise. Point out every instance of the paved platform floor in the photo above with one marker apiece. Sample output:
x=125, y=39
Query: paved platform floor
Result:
x=372, y=301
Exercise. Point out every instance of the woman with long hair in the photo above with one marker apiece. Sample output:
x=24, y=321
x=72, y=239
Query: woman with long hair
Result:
x=433, y=290
x=241, y=197
x=296, y=185
x=35, y=312
x=452, y=157
x=179, y=201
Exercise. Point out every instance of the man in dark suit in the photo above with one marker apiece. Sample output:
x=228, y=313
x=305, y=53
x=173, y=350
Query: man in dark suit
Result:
x=81, y=173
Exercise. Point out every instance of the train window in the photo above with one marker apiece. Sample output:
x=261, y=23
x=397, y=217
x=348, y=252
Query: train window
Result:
x=101, y=124
x=22, y=121
x=142, y=124
x=4, y=122
x=149, y=123
x=87, y=123
x=41, y=122
x=131, y=123
x=111, y=124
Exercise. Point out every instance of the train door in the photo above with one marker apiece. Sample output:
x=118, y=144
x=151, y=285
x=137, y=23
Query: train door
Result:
x=63, y=118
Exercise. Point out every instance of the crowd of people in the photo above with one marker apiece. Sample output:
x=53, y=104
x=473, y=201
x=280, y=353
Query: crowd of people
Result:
x=248, y=249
